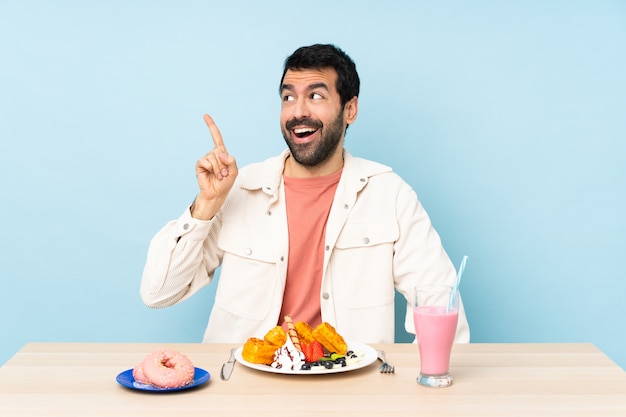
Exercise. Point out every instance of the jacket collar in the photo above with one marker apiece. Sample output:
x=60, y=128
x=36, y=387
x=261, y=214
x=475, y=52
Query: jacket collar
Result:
x=267, y=176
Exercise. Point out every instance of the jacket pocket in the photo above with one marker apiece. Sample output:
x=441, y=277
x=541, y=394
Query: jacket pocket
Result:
x=361, y=265
x=357, y=234
x=249, y=276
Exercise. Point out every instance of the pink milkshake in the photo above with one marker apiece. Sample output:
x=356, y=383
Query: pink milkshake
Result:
x=435, y=328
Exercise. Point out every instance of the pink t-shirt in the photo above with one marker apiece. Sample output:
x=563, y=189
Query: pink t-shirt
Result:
x=308, y=203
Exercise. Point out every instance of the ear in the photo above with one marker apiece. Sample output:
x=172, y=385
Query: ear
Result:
x=351, y=110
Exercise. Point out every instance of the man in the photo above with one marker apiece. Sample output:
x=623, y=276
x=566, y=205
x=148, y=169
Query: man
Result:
x=314, y=232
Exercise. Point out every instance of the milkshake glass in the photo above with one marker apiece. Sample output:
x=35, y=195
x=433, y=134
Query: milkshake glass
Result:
x=436, y=313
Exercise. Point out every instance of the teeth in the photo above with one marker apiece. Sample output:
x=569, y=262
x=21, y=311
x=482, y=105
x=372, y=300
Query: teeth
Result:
x=304, y=130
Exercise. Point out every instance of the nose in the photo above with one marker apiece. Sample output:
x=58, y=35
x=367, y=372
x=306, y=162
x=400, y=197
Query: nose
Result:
x=301, y=109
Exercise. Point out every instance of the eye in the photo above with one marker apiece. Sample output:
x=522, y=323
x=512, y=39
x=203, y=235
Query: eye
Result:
x=288, y=97
x=316, y=96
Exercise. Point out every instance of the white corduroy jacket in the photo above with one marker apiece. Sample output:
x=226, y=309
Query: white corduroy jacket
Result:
x=378, y=238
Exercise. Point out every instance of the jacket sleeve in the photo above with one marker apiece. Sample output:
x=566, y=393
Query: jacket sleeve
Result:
x=419, y=257
x=182, y=258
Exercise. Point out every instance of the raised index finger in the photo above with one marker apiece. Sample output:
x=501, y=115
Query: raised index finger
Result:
x=215, y=133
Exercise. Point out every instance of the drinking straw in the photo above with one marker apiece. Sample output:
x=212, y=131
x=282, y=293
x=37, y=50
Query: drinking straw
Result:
x=455, y=290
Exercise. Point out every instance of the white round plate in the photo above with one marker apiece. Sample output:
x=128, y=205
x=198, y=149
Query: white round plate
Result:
x=369, y=357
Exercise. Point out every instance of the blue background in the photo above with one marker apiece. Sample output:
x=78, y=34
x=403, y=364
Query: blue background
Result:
x=506, y=117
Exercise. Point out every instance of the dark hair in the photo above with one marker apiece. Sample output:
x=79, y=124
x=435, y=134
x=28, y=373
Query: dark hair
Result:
x=320, y=56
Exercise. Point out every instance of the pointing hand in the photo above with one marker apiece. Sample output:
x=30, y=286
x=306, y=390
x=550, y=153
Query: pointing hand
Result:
x=216, y=173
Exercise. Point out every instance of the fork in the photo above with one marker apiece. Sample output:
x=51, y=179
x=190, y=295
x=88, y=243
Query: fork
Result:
x=385, y=368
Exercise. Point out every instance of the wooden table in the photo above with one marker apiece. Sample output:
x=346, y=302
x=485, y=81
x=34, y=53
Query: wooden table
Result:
x=78, y=379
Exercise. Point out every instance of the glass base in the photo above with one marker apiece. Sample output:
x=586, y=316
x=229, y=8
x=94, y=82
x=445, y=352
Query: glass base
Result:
x=435, y=381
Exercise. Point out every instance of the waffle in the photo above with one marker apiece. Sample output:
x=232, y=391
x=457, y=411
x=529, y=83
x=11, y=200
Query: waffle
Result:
x=261, y=351
x=305, y=332
x=330, y=339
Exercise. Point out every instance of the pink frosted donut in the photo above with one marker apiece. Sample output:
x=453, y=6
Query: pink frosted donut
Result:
x=139, y=375
x=168, y=369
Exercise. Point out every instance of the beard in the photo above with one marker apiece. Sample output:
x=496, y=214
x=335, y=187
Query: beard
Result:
x=314, y=153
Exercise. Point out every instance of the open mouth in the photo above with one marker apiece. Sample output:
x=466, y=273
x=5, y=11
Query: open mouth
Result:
x=304, y=132
x=304, y=128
